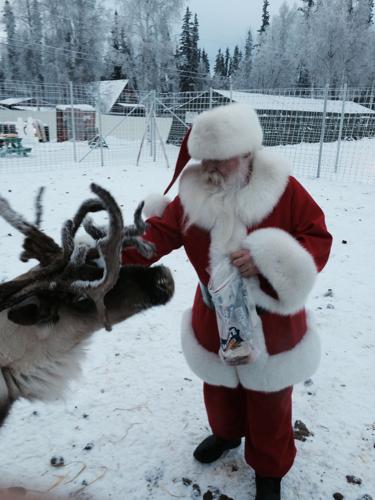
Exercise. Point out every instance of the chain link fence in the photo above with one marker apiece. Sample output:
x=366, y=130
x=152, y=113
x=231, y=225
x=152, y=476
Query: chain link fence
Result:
x=325, y=132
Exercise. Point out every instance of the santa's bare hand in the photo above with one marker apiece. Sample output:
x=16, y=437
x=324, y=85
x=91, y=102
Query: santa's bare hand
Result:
x=244, y=262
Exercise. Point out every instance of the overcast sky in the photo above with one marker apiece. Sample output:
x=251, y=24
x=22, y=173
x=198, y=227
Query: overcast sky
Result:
x=223, y=23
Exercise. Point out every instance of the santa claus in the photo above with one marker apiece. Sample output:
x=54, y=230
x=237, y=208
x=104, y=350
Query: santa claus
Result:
x=239, y=201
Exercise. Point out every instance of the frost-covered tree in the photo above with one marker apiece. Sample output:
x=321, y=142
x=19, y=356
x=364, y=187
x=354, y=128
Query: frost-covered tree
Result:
x=337, y=43
x=275, y=60
x=241, y=77
x=119, y=59
x=74, y=40
x=30, y=39
x=12, y=49
x=148, y=25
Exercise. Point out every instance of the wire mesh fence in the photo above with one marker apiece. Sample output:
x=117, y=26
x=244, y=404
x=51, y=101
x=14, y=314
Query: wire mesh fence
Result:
x=325, y=132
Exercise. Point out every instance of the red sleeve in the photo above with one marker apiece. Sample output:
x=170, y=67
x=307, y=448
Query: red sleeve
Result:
x=164, y=232
x=308, y=225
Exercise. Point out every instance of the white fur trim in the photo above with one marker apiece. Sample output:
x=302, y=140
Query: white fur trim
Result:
x=225, y=132
x=249, y=205
x=155, y=205
x=267, y=374
x=206, y=365
x=287, y=266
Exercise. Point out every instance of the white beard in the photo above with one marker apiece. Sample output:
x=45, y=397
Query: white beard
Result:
x=224, y=189
x=232, y=182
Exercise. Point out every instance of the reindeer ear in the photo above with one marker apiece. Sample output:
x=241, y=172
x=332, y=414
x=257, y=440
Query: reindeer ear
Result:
x=28, y=312
x=155, y=205
x=24, y=314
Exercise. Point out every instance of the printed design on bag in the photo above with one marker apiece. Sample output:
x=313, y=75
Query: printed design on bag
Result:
x=233, y=340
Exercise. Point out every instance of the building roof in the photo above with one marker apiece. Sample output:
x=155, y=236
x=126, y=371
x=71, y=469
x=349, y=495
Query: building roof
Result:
x=81, y=107
x=291, y=103
x=108, y=91
x=10, y=101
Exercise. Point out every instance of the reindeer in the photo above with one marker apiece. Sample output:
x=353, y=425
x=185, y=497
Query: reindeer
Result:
x=48, y=313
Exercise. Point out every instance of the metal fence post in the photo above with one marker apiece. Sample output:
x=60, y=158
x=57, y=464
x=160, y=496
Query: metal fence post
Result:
x=210, y=103
x=341, y=126
x=322, y=132
x=99, y=112
x=154, y=124
x=230, y=88
x=73, y=121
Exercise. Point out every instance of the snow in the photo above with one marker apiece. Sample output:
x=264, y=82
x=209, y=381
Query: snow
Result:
x=109, y=90
x=282, y=103
x=128, y=428
x=131, y=105
x=81, y=107
x=14, y=100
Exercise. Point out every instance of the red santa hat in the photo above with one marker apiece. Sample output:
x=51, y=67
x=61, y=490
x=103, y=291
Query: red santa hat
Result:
x=219, y=134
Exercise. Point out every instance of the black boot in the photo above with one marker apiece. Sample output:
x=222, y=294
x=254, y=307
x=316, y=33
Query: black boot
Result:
x=268, y=488
x=213, y=447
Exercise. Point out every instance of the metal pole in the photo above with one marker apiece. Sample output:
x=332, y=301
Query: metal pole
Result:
x=149, y=122
x=230, y=88
x=210, y=103
x=154, y=125
x=341, y=126
x=322, y=132
x=162, y=144
x=98, y=110
x=73, y=121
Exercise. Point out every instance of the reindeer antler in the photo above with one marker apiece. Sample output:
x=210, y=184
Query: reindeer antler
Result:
x=65, y=269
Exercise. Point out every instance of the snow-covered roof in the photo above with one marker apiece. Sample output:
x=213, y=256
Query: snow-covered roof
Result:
x=34, y=108
x=82, y=107
x=290, y=103
x=130, y=105
x=10, y=101
x=109, y=91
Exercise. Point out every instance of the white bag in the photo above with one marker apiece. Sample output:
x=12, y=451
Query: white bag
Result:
x=236, y=315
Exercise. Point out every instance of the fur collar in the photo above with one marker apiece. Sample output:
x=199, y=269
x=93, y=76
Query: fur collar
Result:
x=249, y=205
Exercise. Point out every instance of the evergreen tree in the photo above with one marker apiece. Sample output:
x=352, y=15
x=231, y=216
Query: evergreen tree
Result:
x=219, y=68
x=194, y=42
x=227, y=63
x=371, y=11
x=188, y=55
x=184, y=55
x=205, y=62
x=114, y=57
x=235, y=61
x=265, y=16
x=307, y=6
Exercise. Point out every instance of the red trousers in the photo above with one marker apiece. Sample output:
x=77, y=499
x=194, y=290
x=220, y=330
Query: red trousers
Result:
x=264, y=419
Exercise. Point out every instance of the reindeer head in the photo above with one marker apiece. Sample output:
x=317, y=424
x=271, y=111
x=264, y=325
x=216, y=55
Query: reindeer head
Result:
x=46, y=313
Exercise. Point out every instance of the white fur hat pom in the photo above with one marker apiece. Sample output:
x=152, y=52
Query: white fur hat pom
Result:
x=224, y=132
x=155, y=205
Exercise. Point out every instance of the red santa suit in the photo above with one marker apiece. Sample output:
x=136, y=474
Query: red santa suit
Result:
x=282, y=226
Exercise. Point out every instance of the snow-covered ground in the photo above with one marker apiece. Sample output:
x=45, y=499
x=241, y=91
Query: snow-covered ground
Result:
x=139, y=407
